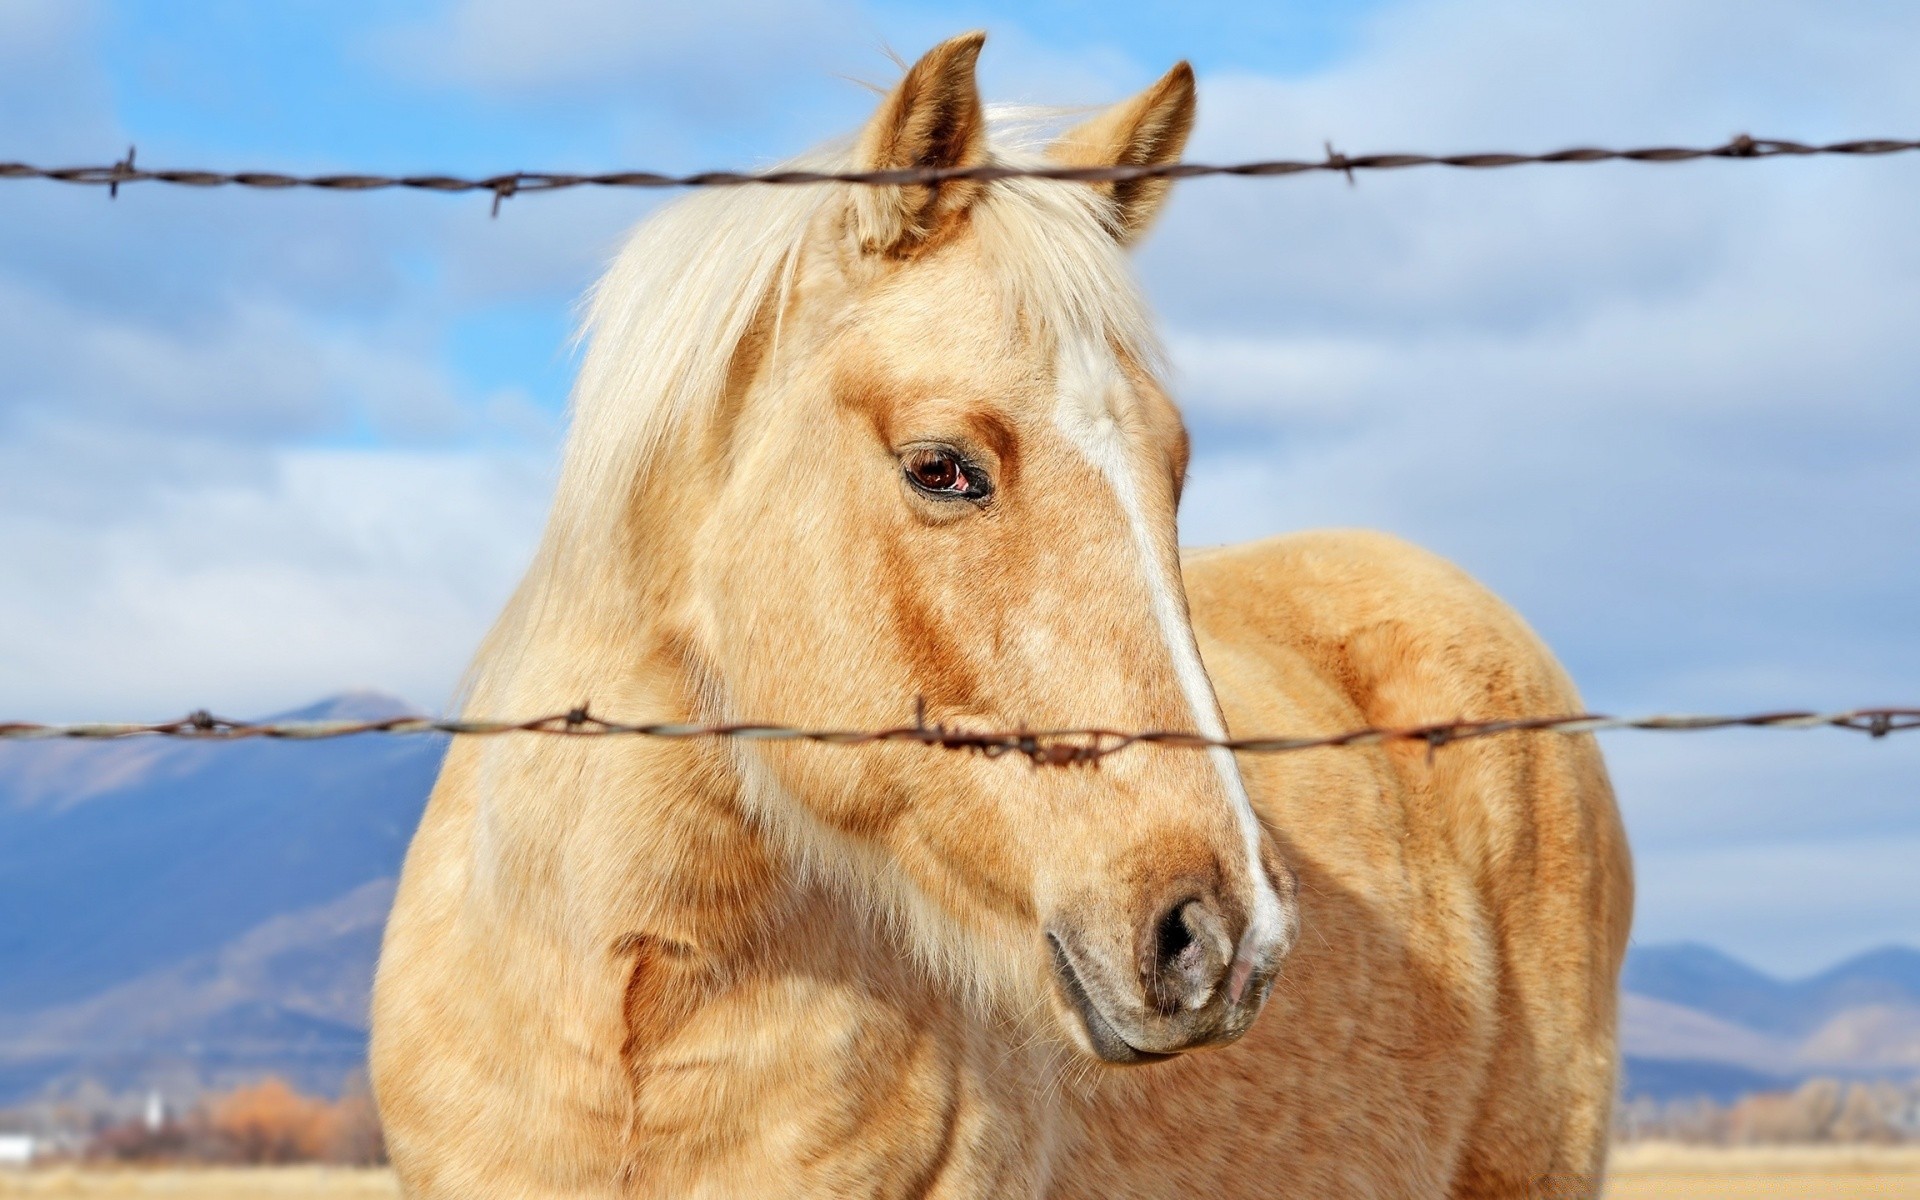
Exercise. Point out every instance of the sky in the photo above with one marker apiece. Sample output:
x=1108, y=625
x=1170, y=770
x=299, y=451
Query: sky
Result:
x=256, y=448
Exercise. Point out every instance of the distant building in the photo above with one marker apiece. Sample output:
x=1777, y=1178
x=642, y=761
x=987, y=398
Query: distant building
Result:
x=16, y=1149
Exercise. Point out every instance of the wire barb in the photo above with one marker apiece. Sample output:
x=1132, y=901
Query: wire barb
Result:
x=121, y=171
x=505, y=186
x=1043, y=748
x=1337, y=161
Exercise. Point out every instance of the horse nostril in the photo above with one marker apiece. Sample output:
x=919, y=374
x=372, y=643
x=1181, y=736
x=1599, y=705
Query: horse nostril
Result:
x=1172, y=938
x=1191, y=950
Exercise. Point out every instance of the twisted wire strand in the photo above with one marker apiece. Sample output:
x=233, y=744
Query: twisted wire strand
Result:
x=518, y=183
x=1043, y=747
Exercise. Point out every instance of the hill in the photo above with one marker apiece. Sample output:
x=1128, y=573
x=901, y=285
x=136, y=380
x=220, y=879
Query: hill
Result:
x=1695, y=1021
x=1702, y=978
x=194, y=911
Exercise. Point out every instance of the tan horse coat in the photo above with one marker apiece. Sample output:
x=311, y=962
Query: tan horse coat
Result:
x=621, y=968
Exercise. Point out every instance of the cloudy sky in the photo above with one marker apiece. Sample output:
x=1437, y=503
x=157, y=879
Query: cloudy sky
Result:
x=255, y=448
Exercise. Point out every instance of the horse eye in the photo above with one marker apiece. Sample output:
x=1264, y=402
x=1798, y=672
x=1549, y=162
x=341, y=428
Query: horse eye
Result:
x=942, y=474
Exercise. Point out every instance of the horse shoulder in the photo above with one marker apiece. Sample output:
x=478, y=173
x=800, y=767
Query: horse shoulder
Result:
x=1402, y=637
x=1330, y=630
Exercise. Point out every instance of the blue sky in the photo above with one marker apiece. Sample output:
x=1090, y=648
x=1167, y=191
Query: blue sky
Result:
x=256, y=448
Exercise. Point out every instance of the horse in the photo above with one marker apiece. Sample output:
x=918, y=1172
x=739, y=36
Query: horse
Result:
x=843, y=453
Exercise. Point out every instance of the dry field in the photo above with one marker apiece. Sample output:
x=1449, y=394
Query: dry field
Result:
x=1657, y=1172
x=1639, y=1173
x=267, y=1183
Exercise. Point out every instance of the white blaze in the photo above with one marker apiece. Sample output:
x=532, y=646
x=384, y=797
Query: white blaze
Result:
x=1091, y=384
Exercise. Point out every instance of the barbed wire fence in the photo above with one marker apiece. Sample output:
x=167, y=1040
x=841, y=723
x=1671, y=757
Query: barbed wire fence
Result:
x=1052, y=747
x=519, y=183
x=1044, y=747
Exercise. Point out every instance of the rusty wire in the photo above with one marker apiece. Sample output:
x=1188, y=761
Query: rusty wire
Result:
x=518, y=183
x=1048, y=747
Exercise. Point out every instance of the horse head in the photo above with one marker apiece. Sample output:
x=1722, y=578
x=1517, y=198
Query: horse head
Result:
x=937, y=470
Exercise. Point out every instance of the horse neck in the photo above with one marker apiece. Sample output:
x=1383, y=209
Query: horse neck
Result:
x=656, y=834
x=589, y=841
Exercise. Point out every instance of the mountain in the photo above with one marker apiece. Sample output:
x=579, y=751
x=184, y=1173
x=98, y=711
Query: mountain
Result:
x=1683, y=1078
x=1695, y=1021
x=195, y=911
x=1889, y=975
x=1659, y=1030
x=1703, y=978
x=1700, y=977
x=287, y=997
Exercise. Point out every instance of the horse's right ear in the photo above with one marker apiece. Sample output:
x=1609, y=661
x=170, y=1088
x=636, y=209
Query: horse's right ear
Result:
x=931, y=119
x=1149, y=130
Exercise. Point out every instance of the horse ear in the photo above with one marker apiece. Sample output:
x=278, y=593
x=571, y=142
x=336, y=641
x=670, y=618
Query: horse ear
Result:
x=1148, y=130
x=931, y=119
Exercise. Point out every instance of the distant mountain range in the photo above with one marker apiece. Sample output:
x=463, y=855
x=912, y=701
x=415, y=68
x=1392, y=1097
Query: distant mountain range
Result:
x=1696, y=1021
x=189, y=916
x=194, y=915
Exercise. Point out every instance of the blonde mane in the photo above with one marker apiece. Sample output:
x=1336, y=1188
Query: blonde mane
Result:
x=663, y=323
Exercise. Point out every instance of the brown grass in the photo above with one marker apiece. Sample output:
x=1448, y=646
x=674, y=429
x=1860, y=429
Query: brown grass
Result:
x=212, y=1183
x=1647, y=1172
x=1669, y=1172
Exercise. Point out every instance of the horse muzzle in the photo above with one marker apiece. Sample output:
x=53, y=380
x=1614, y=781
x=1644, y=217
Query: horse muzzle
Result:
x=1198, y=978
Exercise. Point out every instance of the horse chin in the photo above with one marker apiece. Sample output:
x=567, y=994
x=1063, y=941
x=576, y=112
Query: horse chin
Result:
x=1105, y=1040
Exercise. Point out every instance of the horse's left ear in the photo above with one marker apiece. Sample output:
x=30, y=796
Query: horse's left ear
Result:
x=932, y=119
x=1149, y=130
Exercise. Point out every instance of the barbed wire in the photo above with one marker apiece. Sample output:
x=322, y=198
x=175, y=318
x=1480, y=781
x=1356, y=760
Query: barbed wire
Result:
x=518, y=183
x=1048, y=747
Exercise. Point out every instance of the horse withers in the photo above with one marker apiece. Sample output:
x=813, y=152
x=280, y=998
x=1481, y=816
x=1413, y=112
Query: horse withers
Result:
x=840, y=452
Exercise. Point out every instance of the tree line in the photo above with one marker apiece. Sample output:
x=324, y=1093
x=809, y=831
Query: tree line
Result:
x=1818, y=1111
x=265, y=1123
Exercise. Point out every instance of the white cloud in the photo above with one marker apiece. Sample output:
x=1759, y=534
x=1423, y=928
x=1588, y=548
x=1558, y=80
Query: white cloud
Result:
x=1629, y=396
x=1695, y=793
x=702, y=52
x=1792, y=907
x=256, y=371
x=177, y=530
x=327, y=569
x=235, y=469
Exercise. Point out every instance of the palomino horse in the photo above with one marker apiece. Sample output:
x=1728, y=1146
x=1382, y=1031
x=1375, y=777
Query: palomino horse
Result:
x=838, y=450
